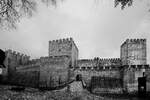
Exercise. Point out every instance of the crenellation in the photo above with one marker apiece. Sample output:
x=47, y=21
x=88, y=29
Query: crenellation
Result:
x=67, y=40
x=127, y=40
x=9, y=51
x=136, y=48
x=16, y=58
x=14, y=53
x=144, y=40
x=60, y=40
x=109, y=59
x=71, y=39
x=57, y=41
x=53, y=41
x=135, y=40
x=64, y=40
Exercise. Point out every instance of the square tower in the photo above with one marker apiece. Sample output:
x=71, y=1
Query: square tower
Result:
x=64, y=47
x=133, y=52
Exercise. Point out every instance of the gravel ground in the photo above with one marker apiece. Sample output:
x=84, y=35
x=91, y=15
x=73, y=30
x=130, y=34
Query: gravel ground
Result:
x=35, y=94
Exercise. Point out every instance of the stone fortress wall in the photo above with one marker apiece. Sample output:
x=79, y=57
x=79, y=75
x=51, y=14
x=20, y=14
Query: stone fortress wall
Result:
x=14, y=62
x=51, y=70
x=101, y=69
x=129, y=67
x=14, y=59
x=62, y=61
x=18, y=58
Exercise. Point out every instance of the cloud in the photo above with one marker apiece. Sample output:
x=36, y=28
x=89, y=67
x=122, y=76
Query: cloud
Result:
x=97, y=29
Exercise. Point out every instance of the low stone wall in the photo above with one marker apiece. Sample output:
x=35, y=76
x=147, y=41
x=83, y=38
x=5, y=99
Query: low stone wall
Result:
x=87, y=74
x=107, y=90
x=132, y=88
x=105, y=85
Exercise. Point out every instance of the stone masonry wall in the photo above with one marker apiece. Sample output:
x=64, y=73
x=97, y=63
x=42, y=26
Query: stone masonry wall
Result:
x=25, y=78
x=147, y=74
x=28, y=68
x=64, y=47
x=87, y=74
x=133, y=52
x=15, y=59
x=54, y=71
x=131, y=75
x=106, y=84
x=75, y=53
x=18, y=58
x=60, y=47
x=98, y=67
x=98, y=63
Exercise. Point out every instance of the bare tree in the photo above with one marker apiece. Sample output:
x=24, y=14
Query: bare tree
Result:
x=123, y=3
x=12, y=10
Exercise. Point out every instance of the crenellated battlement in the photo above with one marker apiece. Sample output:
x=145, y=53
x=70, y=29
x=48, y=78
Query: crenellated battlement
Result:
x=101, y=59
x=99, y=68
x=129, y=47
x=58, y=60
x=47, y=59
x=15, y=53
x=99, y=64
x=85, y=60
x=17, y=57
x=136, y=40
x=109, y=59
x=64, y=40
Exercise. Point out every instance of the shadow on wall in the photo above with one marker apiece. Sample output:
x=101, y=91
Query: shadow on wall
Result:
x=2, y=58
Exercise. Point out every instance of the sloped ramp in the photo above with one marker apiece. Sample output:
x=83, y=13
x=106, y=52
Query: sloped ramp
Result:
x=76, y=86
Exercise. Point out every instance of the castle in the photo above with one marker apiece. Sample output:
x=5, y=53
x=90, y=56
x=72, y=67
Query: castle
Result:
x=62, y=64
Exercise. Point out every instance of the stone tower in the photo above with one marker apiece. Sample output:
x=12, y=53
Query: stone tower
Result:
x=64, y=47
x=133, y=52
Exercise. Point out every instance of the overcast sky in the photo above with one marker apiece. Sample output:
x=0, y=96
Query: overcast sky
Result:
x=97, y=28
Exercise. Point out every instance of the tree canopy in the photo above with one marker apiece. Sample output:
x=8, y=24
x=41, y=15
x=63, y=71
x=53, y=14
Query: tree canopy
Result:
x=123, y=3
x=12, y=10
